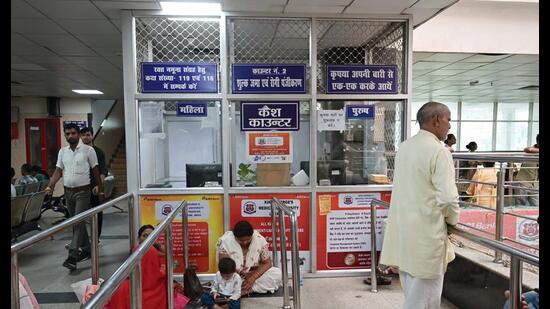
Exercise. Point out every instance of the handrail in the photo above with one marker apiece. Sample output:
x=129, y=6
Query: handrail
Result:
x=132, y=268
x=278, y=208
x=29, y=242
x=517, y=257
x=495, y=157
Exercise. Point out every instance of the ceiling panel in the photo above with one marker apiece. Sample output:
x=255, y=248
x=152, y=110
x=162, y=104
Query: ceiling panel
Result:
x=35, y=26
x=485, y=58
x=379, y=6
x=67, y=9
x=113, y=40
x=20, y=9
x=423, y=65
x=446, y=57
x=88, y=26
x=323, y=9
x=22, y=46
x=433, y=4
x=64, y=45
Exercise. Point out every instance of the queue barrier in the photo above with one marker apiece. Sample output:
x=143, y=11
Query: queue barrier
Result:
x=517, y=257
x=132, y=266
x=506, y=161
x=279, y=209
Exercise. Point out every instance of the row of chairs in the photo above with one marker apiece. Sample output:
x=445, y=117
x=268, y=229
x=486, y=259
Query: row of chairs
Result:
x=27, y=208
x=31, y=187
x=25, y=213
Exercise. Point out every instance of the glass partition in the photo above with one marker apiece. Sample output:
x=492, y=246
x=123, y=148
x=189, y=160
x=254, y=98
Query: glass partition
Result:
x=362, y=150
x=269, y=157
x=180, y=144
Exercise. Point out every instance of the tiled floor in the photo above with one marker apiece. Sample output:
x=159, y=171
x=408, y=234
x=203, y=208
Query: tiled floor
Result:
x=41, y=265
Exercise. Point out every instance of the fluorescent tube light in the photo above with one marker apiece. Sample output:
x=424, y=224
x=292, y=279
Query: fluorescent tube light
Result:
x=84, y=91
x=191, y=8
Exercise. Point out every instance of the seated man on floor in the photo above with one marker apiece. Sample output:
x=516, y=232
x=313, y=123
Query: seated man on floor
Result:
x=249, y=249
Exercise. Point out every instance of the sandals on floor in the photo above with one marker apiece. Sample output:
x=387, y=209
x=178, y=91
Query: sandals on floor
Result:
x=380, y=280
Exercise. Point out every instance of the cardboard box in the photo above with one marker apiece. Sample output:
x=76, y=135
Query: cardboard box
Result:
x=272, y=174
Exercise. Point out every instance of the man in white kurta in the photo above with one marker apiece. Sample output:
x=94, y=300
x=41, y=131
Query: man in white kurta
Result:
x=424, y=200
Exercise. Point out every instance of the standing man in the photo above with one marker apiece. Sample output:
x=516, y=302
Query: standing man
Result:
x=74, y=162
x=87, y=135
x=528, y=177
x=424, y=201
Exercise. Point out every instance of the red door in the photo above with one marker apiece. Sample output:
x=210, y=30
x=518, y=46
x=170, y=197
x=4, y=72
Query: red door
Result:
x=42, y=141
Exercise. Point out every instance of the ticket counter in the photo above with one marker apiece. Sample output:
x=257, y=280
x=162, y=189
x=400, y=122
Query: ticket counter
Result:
x=230, y=111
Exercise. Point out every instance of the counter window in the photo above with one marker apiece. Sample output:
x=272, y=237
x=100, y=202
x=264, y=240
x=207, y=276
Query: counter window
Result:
x=262, y=156
x=357, y=141
x=180, y=144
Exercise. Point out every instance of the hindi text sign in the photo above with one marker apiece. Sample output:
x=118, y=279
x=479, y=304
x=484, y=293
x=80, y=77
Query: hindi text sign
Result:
x=270, y=116
x=268, y=78
x=158, y=77
x=361, y=79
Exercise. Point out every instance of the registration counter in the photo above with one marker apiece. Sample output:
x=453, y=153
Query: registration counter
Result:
x=230, y=111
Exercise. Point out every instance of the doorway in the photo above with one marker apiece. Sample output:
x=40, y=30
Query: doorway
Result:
x=42, y=141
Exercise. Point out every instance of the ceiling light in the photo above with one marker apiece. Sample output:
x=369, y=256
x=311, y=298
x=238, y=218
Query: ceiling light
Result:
x=84, y=91
x=191, y=8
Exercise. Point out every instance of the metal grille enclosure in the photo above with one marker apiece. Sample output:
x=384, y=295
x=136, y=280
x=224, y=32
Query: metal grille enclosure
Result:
x=269, y=41
x=161, y=39
x=360, y=42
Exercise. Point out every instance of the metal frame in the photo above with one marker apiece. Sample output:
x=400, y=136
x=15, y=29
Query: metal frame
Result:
x=31, y=241
x=132, y=96
x=132, y=266
x=516, y=267
x=280, y=209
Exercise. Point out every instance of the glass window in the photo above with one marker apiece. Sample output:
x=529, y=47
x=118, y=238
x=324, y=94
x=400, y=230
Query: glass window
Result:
x=246, y=171
x=513, y=111
x=534, y=132
x=180, y=151
x=477, y=111
x=453, y=107
x=536, y=111
x=415, y=127
x=479, y=132
x=511, y=136
x=363, y=152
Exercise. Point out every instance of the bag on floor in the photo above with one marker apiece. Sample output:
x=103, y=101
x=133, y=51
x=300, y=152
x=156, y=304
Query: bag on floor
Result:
x=180, y=300
x=192, y=287
x=79, y=288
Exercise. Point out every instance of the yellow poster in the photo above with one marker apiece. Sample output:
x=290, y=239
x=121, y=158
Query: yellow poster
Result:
x=205, y=213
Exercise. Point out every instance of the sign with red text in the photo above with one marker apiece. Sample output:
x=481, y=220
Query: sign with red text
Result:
x=256, y=209
x=343, y=229
x=269, y=147
x=205, y=213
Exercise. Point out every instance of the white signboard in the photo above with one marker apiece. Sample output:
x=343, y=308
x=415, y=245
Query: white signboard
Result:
x=331, y=120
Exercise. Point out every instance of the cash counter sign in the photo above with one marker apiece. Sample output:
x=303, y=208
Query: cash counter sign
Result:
x=270, y=116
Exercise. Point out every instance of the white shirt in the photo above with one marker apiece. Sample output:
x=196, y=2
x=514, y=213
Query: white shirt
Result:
x=231, y=287
x=76, y=164
x=424, y=199
x=13, y=191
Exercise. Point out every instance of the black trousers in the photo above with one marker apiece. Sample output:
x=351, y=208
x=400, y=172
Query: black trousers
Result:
x=94, y=201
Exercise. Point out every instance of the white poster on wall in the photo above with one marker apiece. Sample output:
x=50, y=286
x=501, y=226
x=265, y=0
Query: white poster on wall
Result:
x=331, y=120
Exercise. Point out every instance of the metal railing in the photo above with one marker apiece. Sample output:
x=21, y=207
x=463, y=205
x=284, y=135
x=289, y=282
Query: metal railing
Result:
x=31, y=241
x=132, y=266
x=517, y=257
x=280, y=209
x=506, y=161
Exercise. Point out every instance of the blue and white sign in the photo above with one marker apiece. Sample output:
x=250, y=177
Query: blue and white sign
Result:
x=158, y=77
x=269, y=78
x=360, y=111
x=187, y=109
x=270, y=116
x=361, y=79
x=80, y=123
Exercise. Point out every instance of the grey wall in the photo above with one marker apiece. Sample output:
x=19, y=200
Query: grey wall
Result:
x=100, y=108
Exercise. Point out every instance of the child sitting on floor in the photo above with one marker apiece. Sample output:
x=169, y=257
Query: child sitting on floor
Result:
x=226, y=290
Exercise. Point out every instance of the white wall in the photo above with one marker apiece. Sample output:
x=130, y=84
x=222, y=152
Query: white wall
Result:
x=35, y=107
x=481, y=27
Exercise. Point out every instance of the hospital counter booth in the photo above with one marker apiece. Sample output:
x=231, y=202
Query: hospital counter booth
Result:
x=227, y=112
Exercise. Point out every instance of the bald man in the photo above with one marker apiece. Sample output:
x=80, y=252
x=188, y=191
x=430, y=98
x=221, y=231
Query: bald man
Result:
x=424, y=201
